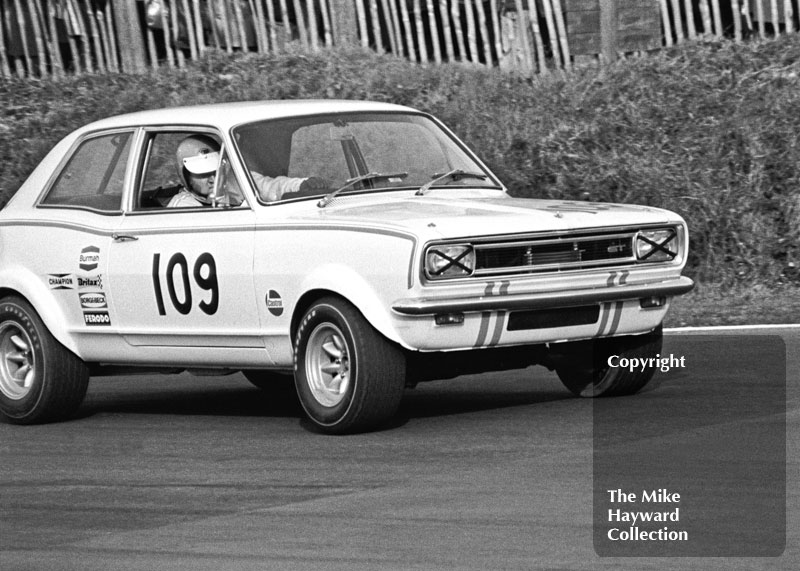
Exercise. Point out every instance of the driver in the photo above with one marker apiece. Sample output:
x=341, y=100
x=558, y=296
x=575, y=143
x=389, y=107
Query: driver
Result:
x=197, y=158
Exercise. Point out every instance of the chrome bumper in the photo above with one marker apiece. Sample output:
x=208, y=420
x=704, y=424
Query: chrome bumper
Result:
x=428, y=306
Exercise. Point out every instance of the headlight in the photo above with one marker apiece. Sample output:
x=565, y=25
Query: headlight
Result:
x=657, y=245
x=449, y=261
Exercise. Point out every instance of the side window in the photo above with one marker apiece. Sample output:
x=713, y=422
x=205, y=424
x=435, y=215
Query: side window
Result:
x=94, y=175
x=166, y=181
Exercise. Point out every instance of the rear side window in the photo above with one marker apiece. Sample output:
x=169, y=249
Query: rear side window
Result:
x=94, y=175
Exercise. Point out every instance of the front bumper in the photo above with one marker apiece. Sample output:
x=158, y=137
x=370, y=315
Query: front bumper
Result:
x=504, y=301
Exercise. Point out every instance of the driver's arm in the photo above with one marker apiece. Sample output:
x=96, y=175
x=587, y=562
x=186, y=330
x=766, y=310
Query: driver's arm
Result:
x=271, y=189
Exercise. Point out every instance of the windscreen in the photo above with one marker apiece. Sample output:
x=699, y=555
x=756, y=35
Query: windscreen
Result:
x=340, y=147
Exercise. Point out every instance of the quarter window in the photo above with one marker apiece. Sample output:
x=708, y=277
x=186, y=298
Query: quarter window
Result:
x=94, y=176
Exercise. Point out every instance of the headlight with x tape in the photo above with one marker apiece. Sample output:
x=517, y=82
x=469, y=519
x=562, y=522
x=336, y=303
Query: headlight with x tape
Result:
x=659, y=245
x=449, y=261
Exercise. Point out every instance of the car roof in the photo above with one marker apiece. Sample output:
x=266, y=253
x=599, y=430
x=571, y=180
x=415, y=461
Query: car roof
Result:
x=227, y=115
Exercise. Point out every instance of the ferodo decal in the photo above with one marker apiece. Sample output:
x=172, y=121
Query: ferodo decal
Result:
x=89, y=258
x=61, y=281
x=96, y=318
x=93, y=300
x=91, y=281
x=274, y=303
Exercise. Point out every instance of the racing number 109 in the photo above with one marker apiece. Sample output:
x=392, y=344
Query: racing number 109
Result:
x=208, y=282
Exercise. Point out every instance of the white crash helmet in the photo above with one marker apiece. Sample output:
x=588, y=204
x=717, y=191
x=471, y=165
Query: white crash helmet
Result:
x=197, y=154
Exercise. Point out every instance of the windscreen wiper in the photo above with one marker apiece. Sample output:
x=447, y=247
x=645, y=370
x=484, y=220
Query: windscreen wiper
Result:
x=326, y=200
x=455, y=174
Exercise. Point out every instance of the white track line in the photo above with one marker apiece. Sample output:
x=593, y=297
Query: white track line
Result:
x=790, y=326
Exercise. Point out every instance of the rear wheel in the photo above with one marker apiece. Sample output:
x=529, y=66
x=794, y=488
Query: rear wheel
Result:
x=349, y=377
x=585, y=371
x=40, y=380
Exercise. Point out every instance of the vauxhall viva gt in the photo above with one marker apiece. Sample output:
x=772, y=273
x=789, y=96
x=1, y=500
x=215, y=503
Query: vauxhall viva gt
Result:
x=359, y=247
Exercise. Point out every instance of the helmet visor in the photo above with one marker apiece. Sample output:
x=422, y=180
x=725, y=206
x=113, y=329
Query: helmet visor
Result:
x=202, y=164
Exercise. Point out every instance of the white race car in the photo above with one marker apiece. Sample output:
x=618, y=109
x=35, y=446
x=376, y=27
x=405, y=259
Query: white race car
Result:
x=359, y=247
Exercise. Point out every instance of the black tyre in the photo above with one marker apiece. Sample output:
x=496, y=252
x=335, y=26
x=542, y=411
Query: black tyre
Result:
x=348, y=376
x=585, y=370
x=40, y=380
x=270, y=380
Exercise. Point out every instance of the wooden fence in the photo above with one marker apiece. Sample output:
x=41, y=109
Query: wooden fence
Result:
x=42, y=38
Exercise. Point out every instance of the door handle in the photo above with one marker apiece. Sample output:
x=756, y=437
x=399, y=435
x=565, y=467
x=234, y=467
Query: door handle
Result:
x=123, y=237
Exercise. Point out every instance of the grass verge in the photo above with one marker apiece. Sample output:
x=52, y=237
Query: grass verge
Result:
x=707, y=130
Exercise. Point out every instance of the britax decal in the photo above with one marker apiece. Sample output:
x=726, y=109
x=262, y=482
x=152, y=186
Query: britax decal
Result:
x=91, y=281
x=89, y=258
x=61, y=281
x=93, y=300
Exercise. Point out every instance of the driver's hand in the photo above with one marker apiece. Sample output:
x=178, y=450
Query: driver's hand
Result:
x=314, y=183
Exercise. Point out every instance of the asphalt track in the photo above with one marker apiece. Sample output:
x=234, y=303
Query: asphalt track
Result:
x=483, y=472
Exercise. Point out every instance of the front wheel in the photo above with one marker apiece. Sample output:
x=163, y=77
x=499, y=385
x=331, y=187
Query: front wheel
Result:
x=348, y=376
x=585, y=371
x=40, y=379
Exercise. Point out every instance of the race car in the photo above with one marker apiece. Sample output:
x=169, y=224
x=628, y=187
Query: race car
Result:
x=358, y=247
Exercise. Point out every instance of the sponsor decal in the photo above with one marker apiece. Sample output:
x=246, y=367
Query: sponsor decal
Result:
x=91, y=281
x=61, y=281
x=89, y=258
x=96, y=318
x=93, y=300
x=274, y=303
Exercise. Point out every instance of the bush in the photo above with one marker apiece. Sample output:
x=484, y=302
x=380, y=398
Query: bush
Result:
x=707, y=130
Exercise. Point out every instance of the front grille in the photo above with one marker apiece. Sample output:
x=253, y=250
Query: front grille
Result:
x=558, y=254
x=549, y=318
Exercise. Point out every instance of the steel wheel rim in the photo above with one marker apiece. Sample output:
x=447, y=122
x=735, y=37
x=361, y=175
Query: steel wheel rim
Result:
x=327, y=365
x=17, y=361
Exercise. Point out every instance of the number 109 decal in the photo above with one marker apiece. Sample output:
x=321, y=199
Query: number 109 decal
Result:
x=207, y=282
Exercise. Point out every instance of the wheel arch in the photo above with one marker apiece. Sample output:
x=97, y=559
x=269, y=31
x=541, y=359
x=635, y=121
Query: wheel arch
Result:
x=357, y=294
x=23, y=283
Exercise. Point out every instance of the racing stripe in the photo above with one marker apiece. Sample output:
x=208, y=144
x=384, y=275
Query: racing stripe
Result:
x=624, y=279
x=617, y=316
x=611, y=279
x=504, y=287
x=498, y=328
x=484, y=328
x=604, y=312
x=488, y=291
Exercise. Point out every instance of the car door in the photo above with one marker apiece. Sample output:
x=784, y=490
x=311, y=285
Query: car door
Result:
x=182, y=277
x=69, y=240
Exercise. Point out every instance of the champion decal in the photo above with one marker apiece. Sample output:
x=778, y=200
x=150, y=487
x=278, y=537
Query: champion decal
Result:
x=61, y=281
